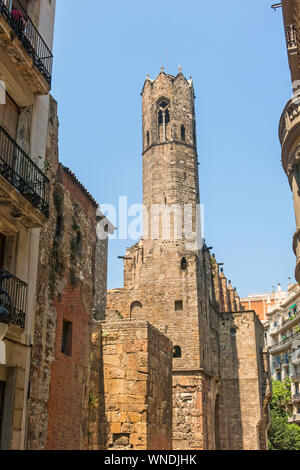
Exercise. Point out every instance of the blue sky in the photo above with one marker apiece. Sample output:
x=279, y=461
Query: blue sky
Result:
x=235, y=52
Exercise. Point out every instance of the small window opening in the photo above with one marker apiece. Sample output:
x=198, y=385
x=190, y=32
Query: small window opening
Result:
x=66, y=343
x=148, y=138
x=233, y=331
x=178, y=305
x=183, y=133
x=183, y=264
x=177, y=351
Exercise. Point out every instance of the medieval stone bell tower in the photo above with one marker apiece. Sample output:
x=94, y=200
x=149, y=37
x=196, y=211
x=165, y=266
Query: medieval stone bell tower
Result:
x=165, y=273
x=172, y=281
x=170, y=161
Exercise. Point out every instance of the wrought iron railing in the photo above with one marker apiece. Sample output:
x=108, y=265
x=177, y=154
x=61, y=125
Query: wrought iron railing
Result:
x=296, y=396
x=13, y=296
x=17, y=168
x=27, y=33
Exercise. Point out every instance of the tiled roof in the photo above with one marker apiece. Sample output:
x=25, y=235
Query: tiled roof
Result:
x=83, y=189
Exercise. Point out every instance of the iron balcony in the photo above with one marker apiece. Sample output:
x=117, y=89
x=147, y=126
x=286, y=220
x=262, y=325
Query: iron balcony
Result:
x=29, y=37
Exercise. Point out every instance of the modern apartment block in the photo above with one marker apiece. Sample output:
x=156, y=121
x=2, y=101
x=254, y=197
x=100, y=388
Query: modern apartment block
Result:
x=26, y=37
x=283, y=340
x=262, y=304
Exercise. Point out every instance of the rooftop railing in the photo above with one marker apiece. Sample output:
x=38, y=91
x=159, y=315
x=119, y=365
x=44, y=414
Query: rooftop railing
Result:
x=13, y=296
x=18, y=19
x=23, y=174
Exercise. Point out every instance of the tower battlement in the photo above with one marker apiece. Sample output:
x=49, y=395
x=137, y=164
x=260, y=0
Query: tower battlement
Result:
x=168, y=111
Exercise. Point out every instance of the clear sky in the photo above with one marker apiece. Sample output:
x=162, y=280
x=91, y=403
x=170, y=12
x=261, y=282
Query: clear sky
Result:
x=235, y=52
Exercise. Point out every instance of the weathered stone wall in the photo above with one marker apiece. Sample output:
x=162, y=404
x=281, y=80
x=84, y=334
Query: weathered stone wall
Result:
x=245, y=382
x=194, y=397
x=59, y=401
x=131, y=381
x=159, y=391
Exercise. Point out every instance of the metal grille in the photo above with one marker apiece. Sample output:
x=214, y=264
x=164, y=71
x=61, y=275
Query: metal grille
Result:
x=27, y=33
x=17, y=168
x=13, y=296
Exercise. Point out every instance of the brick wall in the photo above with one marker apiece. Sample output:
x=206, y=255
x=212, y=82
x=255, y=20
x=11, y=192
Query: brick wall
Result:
x=68, y=383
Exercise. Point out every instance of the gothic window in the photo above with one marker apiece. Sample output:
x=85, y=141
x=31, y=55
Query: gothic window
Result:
x=177, y=352
x=163, y=119
x=183, y=264
x=182, y=131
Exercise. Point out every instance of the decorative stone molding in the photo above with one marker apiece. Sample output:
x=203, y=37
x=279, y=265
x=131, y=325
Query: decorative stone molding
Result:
x=291, y=37
x=289, y=117
x=294, y=160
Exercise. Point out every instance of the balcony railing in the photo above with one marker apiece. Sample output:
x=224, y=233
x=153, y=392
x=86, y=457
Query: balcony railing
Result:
x=13, y=296
x=22, y=173
x=285, y=341
x=27, y=33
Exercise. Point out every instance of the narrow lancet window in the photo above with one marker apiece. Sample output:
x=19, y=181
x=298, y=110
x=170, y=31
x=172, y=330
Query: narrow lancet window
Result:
x=183, y=133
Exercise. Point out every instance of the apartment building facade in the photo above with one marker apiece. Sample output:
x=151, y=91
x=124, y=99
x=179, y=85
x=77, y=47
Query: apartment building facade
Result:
x=283, y=341
x=26, y=38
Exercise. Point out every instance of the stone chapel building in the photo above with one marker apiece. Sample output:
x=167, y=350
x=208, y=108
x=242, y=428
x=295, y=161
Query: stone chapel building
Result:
x=220, y=378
